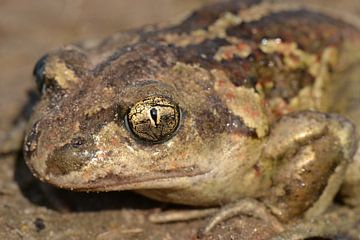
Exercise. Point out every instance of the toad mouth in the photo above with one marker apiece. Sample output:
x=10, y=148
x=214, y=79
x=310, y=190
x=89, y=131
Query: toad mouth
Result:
x=112, y=182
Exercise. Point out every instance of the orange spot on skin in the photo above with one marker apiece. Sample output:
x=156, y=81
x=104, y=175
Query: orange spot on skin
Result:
x=241, y=46
x=251, y=112
x=114, y=142
x=230, y=95
x=173, y=165
x=221, y=83
x=257, y=171
x=228, y=54
x=281, y=109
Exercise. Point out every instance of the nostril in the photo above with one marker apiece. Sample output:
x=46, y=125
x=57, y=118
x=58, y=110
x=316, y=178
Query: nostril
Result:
x=31, y=140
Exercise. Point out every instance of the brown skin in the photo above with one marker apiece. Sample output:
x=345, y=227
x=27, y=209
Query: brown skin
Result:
x=233, y=79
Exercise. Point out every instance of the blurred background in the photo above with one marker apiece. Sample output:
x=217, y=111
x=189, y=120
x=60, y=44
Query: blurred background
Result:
x=28, y=29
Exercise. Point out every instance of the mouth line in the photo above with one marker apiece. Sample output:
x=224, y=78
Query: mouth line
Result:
x=118, y=183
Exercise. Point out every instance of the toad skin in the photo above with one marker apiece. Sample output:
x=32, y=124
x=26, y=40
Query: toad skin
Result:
x=230, y=104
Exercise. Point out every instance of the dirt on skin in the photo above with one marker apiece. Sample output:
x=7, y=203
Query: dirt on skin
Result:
x=30, y=209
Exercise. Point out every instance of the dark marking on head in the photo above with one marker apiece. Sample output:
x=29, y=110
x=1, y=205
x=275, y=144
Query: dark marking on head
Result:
x=107, y=62
x=149, y=56
x=257, y=68
x=241, y=72
x=312, y=31
x=216, y=118
x=92, y=124
x=76, y=60
x=203, y=53
x=138, y=62
x=206, y=16
x=237, y=125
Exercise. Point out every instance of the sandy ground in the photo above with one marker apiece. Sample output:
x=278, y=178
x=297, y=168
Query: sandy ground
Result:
x=31, y=210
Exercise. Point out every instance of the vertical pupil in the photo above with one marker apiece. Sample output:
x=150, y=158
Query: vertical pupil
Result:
x=154, y=114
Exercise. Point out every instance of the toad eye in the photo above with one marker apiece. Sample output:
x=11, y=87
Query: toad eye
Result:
x=154, y=119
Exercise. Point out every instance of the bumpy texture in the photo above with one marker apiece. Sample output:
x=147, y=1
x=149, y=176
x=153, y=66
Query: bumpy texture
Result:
x=232, y=70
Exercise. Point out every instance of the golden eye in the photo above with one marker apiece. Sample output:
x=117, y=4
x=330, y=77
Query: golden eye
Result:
x=154, y=119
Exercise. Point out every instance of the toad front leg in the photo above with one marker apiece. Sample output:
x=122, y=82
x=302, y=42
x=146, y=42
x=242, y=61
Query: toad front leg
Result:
x=305, y=156
x=309, y=152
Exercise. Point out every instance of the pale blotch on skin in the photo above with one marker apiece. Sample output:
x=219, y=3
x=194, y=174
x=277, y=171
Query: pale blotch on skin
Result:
x=225, y=21
x=57, y=70
x=243, y=102
x=239, y=49
x=217, y=30
x=294, y=58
